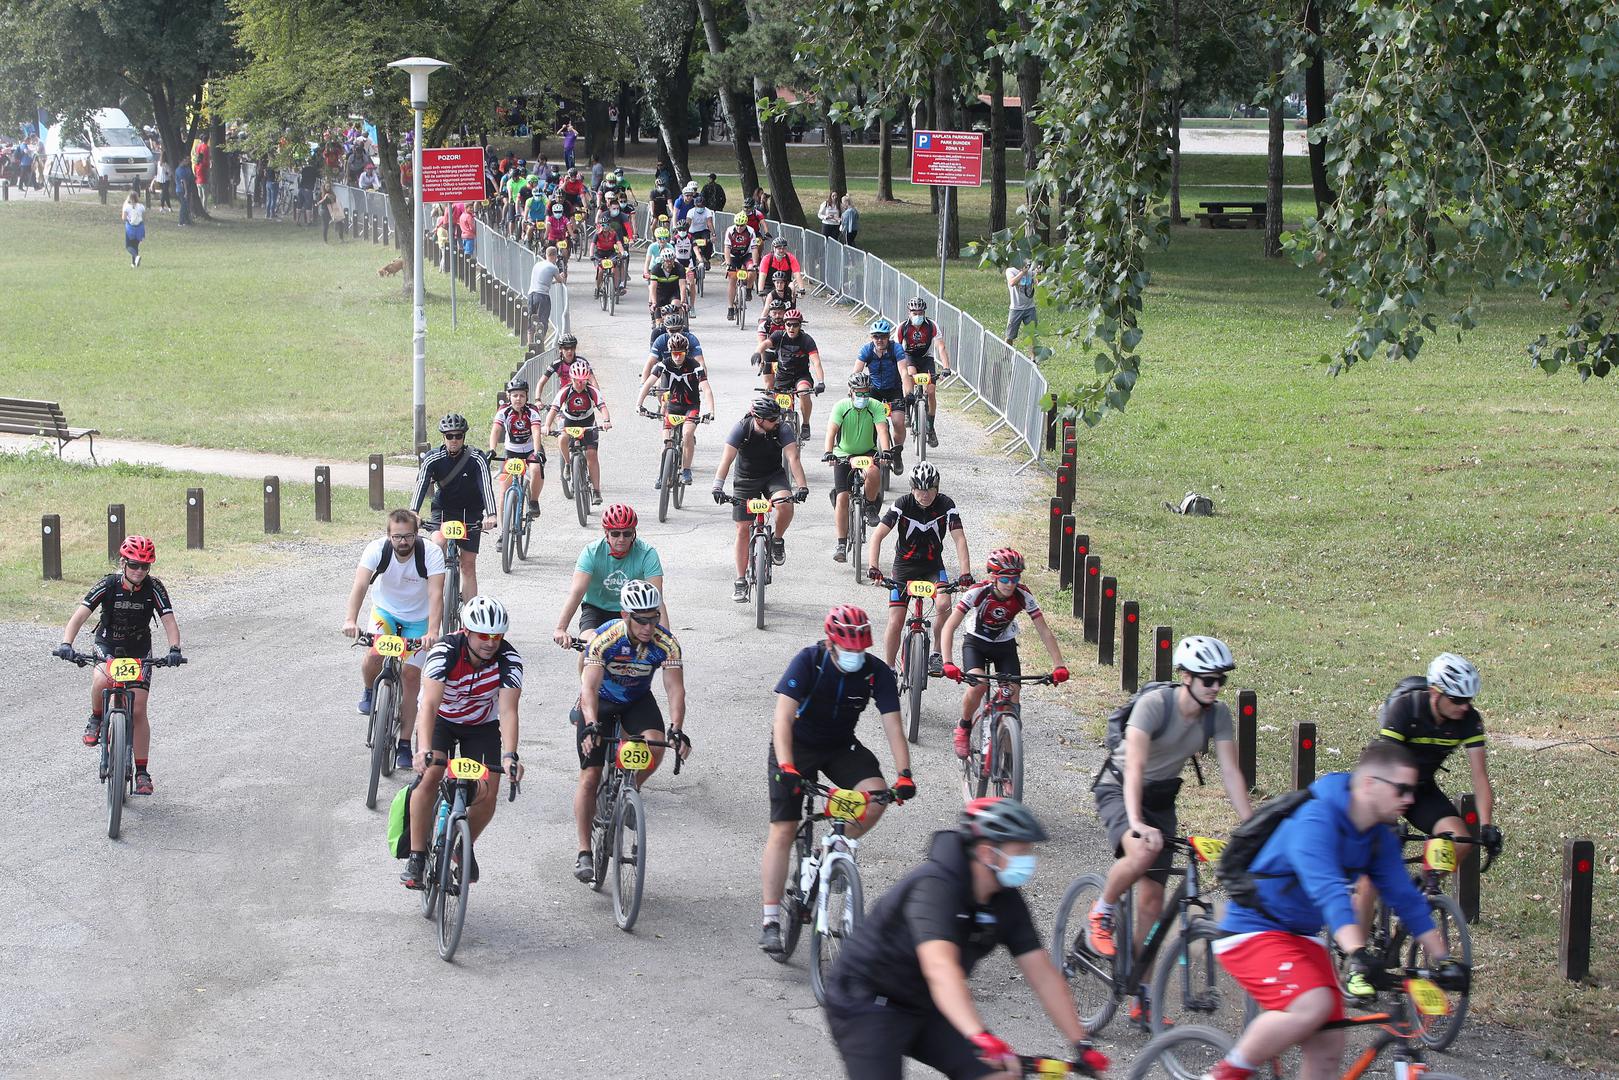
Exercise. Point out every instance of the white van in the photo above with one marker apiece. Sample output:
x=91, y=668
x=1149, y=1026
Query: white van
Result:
x=115, y=152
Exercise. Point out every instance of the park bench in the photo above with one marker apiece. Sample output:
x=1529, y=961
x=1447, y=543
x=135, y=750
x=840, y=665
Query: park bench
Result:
x=1232, y=215
x=20, y=416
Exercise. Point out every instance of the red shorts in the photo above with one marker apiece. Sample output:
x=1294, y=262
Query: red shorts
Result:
x=1275, y=967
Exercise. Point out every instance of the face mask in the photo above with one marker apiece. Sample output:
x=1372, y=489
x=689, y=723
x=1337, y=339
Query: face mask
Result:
x=1018, y=871
x=614, y=213
x=849, y=662
x=556, y=213
x=860, y=400
x=916, y=320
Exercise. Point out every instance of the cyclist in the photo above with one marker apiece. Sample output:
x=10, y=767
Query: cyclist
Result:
x=919, y=336
x=771, y=319
x=796, y=354
x=1137, y=788
x=700, y=222
x=470, y=685
x=884, y=361
x=780, y=288
x=459, y=477
x=601, y=572
x=128, y=601
x=665, y=283
x=764, y=450
x=819, y=701
x=898, y=988
x=654, y=251
x=567, y=353
x=923, y=519
x=576, y=403
x=686, y=253
x=686, y=393
x=783, y=260
x=674, y=322
x=658, y=200
x=516, y=425
x=556, y=225
x=406, y=577
x=615, y=693
x=857, y=428
x=606, y=243
x=534, y=211
x=990, y=610
x=1303, y=874
x=740, y=241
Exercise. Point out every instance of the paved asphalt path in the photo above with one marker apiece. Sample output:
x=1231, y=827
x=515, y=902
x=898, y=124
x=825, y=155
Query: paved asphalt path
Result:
x=249, y=922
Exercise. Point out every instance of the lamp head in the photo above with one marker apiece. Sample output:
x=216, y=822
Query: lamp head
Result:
x=419, y=67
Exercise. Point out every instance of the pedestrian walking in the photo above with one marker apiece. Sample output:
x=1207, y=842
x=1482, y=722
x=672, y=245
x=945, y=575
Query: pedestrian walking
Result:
x=850, y=221
x=468, y=225
x=134, y=227
x=570, y=136
x=331, y=213
x=714, y=194
x=1020, y=284
x=183, y=179
x=539, y=291
x=830, y=217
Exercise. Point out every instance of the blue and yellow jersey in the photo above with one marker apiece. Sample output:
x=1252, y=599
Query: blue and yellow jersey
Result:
x=630, y=665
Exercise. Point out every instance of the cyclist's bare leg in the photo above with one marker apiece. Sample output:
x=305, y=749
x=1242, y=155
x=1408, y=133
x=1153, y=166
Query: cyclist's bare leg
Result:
x=805, y=401
x=744, y=530
x=1364, y=899
x=871, y=785
x=874, y=480
x=1128, y=869
x=483, y=807
x=784, y=511
x=584, y=804
x=972, y=697
x=142, y=729
x=689, y=449
x=411, y=678
x=370, y=667
x=469, y=573
x=896, y=421
x=1270, y=1033
x=842, y=515
x=421, y=810
x=593, y=466
x=773, y=863
x=896, y=625
x=1149, y=905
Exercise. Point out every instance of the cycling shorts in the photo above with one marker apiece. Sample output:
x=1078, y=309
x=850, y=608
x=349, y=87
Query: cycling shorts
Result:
x=1275, y=967
x=790, y=375
x=888, y=395
x=1002, y=655
x=480, y=742
x=592, y=617
x=896, y=598
x=1430, y=807
x=474, y=531
x=590, y=438
x=842, y=472
x=875, y=1038
x=1110, y=811
x=747, y=489
x=738, y=260
x=924, y=364
x=639, y=717
x=845, y=766
x=384, y=621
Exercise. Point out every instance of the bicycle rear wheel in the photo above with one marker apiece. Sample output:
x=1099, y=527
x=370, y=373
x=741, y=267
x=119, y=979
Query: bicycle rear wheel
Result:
x=382, y=706
x=1006, y=774
x=857, y=537
x=845, y=905
x=796, y=908
x=1089, y=976
x=526, y=530
x=1189, y=985
x=629, y=857
x=1184, y=1053
x=1441, y=1031
x=668, y=473
x=761, y=573
x=511, y=517
x=452, y=593
x=116, y=732
x=456, y=888
x=916, y=678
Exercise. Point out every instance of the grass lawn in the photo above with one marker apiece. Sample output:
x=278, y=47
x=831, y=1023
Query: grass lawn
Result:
x=235, y=333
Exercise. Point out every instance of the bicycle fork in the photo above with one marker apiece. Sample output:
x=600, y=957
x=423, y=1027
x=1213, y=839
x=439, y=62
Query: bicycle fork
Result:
x=835, y=848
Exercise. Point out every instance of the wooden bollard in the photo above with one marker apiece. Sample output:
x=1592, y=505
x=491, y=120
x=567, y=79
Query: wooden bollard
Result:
x=1248, y=736
x=115, y=530
x=1574, y=943
x=1163, y=660
x=323, y=493
x=1082, y=551
x=1092, y=586
x=375, y=477
x=50, y=544
x=1303, y=754
x=1051, y=428
x=1065, y=483
x=1106, y=621
x=1065, y=566
x=1467, y=873
x=194, y=518
x=1054, y=537
x=1130, y=648
x=272, y=504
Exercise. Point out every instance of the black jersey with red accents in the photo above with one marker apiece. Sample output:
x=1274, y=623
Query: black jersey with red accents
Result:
x=125, y=628
x=992, y=618
x=917, y=341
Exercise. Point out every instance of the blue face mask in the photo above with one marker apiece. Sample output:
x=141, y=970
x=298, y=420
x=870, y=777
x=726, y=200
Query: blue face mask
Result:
x=1018, y=871
x=916, y=320
x=849, y=662
x=860, y=400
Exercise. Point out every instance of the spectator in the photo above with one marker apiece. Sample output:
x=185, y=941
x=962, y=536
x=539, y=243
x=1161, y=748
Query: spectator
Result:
x=184, y=178
x=355, y=163
x=199, y=170
x=829, y=215
x=850, y=221
x=1020, y=284
x=596, y=171
x=714, y=194
x=272, y=187
x=467, y=226
x=134, y=227
x=369, y=179
x=539, y=291
x=570, y=136
x=308, y=181
x=762, y=203
x=331, y=211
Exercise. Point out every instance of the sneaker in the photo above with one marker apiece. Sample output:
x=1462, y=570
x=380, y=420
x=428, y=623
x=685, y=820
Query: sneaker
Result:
x=842, y=553
x=143, y=783
x=474, y=879
x=778, y=550
x=896, y=465
x=414, y=875
x=685, y=476
x=935, y=665
x=1224, y=1070
x=872, y=517
x=92, y=732
x=402, y=756
x=770, y=938
x=137, y=260
x=740, y=592
x=804, y=432
x=1359, y=986
x=1141, y=1013
x=584, y=868
x=959, y=740
x=730, y=312
x=364, y=705
x=657, y=485
x=1099, y=934
x=595, y=498
x=933, y=436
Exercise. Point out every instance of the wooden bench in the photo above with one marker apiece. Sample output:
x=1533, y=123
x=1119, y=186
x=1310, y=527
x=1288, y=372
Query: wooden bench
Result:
x=21, y=416
x=1232, y=215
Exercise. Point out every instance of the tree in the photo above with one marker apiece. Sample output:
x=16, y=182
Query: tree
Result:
x=663, y=56
x=722, y=77
x=769, y=50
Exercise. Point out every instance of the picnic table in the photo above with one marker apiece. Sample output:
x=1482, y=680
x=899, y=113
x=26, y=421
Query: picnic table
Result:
x=1229, y=214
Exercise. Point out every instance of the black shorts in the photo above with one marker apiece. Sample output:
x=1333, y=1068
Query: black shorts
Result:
x=480, y=742
x=1002, y=655
x=1160, y=815
x=842, y=471
x=738, y=260
x=922, y=364
x=888, y=395
x=1430, y=807
x=746, y=489
x=592, y=617
x=706, y=250
x=788, y=376
x=138, y=650
x=665, y=292
x=875, y=1039
x=474, y=530
x=639, y=717
x=591, y=438
x=845, y=766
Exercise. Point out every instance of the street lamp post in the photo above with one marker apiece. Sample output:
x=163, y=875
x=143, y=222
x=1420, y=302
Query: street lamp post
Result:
x=419, y=67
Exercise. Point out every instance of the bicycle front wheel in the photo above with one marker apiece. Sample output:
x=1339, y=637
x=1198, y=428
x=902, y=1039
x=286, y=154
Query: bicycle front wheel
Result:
x=1183, y=1053
x=629, y=857
x=1006, y=769
x=916, y=678
x=1089, y=976
x=526, y=530
x=581, y=490
x=796, y=907
x=452, y=594
x=116, y=733
x=382, y=706
x=511, y=519
x=668, y=472
x=1190, y=987
x=761, y=572
x=1441, y=1031
x=455, y=889
x=920, y=430
x=843, y=908
x=857, y=537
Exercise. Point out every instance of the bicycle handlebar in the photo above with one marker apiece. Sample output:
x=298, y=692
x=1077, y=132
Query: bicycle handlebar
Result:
x=938, y=587
x=363, y=637
x=969, y=679
x=1409, y=834
x=821, y=791
x=87, y=659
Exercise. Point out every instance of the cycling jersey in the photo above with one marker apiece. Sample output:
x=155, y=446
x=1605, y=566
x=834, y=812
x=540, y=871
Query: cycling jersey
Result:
x=883, y=367
x=556, y=229
x=459, y=490
x=759, y=453
x=740, y=241
x=699, y=218
x=665, y=285
x=654, y=253
x=917, y=341
x=831, y=702
x=857, y=426
x=684, y=384
x=578, y=404
x=919, y=533
x=630, y=664
x=773, y=262
x=793, y=353
x=682, y=245
x=125, y=628
x=991, y=618
x=1409, y=719
x=535, y=209
x=605, y=241
x=472, y=693
x=519, y=426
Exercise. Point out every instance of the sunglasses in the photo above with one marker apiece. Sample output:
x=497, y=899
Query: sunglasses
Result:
x=1456, y=700
x=130, y=564
x=1211, y=680
x=1404, y=791
x=1006, y=579
x=621, y=534
x=645, y=620
x=455, y=437
x=484, y=637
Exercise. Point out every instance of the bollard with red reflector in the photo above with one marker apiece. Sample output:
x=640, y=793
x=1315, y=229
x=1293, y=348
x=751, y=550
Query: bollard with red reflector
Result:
x=1130, y=649
x=1467, y=873
x=1051, y=427
x=1065, y=482
x=1105, y=621
x=1092, y=585
x=1065, y=561
x=1163, y=660
x=1054, y=540
x=1574, y=944
x=1248, y=736
x=1303, y=754
x=1082, y=551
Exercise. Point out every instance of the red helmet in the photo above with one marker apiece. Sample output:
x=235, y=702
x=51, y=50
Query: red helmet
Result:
x=794, y=315
x=1005, y=561
x=138, y=549
x=848, y=627
x=618, y=516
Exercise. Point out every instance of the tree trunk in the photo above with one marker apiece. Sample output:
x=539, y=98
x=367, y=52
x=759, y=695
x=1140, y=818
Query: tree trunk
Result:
x=837, y=169
x=929, y=108
x=997, y=144
x=1273, y=178
x=634, y=115
x=773, y=141
x=885, y=158
x=944, y=119
x=1315, y=108
x=707, y=107
x=598, y=131
x=1175, y=121
x=622, y=124
x=1028, y=88
x=733, y=103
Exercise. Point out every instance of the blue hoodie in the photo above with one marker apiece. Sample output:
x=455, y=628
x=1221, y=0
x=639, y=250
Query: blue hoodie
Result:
x=1316, y=855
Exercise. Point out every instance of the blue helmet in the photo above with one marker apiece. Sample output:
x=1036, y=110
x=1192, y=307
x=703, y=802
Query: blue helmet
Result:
x=882, y=326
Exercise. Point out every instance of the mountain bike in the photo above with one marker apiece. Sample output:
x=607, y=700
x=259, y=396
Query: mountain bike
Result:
x=387, y=689
x=1190, y=1051
x=760, y=541
x=916, y=414
x=516, y=519
x=576, y=471
x=823, y=882
x=1188, y=983
x=699, y=263
x=671, y=485
x=579, y=234
x=744, y=293
x=447, y=881
x=454, y=532
x=917, y=642
x=606, y=284
x=857, y=507
x=125, y=675
x=996, y=757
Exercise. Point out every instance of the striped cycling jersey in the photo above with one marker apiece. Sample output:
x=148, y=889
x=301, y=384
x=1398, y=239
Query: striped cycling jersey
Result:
x=630, y=664
x=518, y=426
x=472, y=693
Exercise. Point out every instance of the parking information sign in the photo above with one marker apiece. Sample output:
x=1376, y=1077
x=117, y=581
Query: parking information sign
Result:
x=947, y=158
x=452, y=175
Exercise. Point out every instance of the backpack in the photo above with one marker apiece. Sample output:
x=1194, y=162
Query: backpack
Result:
x=1242, y=848
x=1408, y=685
x=399, y=820
x=1119, y=719
x=387, y=554
x=1193, y=504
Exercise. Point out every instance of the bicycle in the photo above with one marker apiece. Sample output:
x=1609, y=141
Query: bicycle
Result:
x=996, y=757
x=454, y=532
x=387, y=690
x=448, y=876
x=607, y=293
x=761, y=539
x=699, y=263
x=576, y=471
x=744, y=293
x=516, y=519
x=858, y=464
x=672, y=486
x=1189, y=1052
x=916, y=414
x=825, y=892
x=916, y=643
x=1188, y=965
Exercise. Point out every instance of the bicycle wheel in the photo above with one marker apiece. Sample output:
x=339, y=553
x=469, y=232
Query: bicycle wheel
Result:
x=452, y=594
x=796, y=907
x=668, y=473
x=1441, y=1031
x=456, y=888
x=1183, y=1053
x=761, y=573
x=526, y=530
x=919, y=432
x=857, y=537
x=581, y=490
x=511, y=516
x=566, y=475
x=434, y=886
x=1006, y=774
x=612, y=297
x=1089, y=976
x=916, y=678
x=629, y=857
x=116, y=732
x=844, y=906
x=680, y=485
x=382, y=706
x=1190, y=987
x=603, y=287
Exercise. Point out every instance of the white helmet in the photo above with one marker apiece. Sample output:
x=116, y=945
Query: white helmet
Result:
x=1203, y=655
x=639, y=596
x=1454, y=675
x=484, y=615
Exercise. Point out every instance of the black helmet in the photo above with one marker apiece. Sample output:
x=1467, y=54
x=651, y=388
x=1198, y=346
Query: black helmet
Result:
x=517, y=384
x=999, y=821
x=675, y=320
x=765, y=407
x=567, y=341
x=453, y=424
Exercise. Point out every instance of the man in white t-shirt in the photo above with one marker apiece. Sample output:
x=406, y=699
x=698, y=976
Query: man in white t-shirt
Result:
x=406, y=577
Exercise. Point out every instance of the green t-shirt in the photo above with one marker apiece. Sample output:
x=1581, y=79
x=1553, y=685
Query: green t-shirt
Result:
x=608, y=575
x=857, y=426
